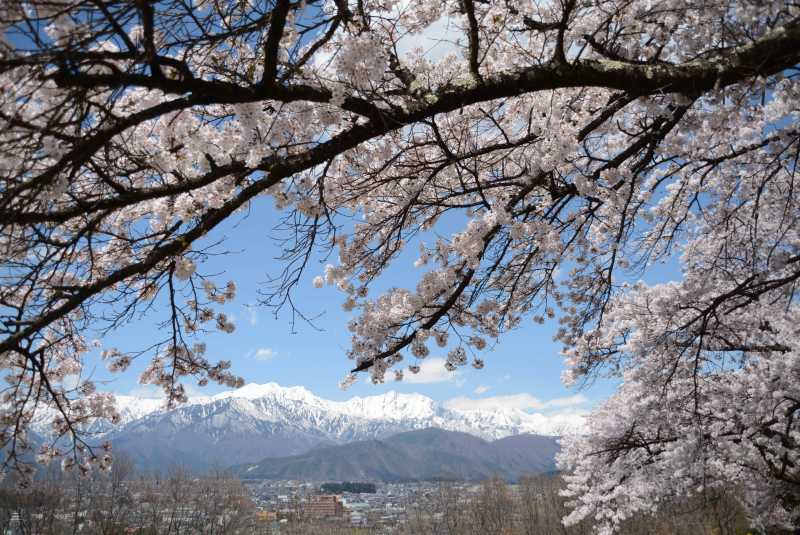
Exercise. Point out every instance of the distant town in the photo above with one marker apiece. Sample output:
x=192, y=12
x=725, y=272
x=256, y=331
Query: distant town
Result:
x=383, y=510
x=179, y=503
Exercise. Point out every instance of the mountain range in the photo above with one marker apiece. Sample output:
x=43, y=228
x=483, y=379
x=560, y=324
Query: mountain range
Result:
x=256, y=422
x=423, y=455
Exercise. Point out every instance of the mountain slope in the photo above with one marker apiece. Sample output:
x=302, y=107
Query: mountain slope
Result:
x=259, y=421
x=428, y=454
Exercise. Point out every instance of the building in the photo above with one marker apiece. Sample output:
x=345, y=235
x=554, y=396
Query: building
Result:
x=325, y=505
x=13, y=525
x=266, y=516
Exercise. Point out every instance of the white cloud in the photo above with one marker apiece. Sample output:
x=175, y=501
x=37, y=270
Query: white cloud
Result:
x=557, y=416
x=264, y=354
x=436, y=41
x=523, y=402
x=71, y=382
x=481, y=389
x=252, y=314
x=569, y=401
x=146, y=391
x=513, y=401
x=431, y=370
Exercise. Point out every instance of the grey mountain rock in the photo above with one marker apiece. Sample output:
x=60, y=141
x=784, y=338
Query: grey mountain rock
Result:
x=422, y=455
x=263, y=421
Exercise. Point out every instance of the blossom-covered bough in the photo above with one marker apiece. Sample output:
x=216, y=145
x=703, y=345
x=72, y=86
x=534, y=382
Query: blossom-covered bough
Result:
x=580, y=142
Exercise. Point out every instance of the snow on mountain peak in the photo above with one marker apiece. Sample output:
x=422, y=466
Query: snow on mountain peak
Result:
x=297, y=410
x=256, y=391
x=391, y=405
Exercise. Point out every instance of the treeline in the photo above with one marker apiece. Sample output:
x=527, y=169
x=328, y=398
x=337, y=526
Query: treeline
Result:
x=178, y=503
x=534, y=507
x=348, y=486
x=122, y=502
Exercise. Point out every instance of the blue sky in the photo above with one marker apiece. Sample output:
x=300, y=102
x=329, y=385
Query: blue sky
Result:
x=263, y=348
x=522, y=369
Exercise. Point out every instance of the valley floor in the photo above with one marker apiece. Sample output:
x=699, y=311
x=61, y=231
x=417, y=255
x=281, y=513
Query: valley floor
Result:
x=219, y=504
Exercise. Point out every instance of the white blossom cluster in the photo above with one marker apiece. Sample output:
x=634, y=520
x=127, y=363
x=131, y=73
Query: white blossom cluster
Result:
x=535, y=164
x=709, y=364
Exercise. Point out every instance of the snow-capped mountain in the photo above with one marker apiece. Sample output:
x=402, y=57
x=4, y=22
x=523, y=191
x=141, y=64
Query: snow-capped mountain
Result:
x=132, y=408
x=259, y=421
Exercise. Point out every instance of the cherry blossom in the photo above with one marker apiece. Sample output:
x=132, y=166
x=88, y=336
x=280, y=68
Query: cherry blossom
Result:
x=568, y=149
